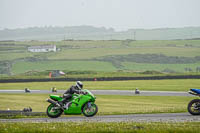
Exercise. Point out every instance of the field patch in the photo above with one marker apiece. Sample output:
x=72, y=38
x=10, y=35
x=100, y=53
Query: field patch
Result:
x=151, y=58
x=160, y=67
x=21, y=67
x=89, y=53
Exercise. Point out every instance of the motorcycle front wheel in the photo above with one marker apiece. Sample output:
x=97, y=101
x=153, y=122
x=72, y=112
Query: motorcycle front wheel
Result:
x=90, y=110
x=194, y=107
x=54, y=111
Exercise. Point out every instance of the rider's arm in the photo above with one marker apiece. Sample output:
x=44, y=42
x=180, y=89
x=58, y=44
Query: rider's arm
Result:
x=76, y=91
x=69, y=91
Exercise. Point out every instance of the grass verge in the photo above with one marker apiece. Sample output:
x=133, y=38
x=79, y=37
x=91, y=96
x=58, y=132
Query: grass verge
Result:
x=151, y=85
x=186, y=127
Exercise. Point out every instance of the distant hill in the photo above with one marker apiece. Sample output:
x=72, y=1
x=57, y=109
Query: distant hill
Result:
x=94, y=33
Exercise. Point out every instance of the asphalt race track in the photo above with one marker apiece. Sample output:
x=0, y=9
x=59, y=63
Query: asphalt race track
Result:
x=108, y=92
x=165, y=117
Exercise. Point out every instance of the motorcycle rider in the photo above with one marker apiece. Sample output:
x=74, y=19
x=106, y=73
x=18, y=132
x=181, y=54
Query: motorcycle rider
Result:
x=68, y=94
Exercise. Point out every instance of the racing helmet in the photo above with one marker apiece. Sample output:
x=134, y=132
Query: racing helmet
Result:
x=79, y=85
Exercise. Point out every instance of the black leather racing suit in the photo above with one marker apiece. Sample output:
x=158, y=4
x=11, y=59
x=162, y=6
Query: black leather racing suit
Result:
x=68, y=94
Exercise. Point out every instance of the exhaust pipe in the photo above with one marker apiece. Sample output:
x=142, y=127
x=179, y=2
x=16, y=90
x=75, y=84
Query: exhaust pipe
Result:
x=53, y=102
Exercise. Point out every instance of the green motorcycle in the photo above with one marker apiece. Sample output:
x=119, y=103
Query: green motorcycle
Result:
x=79, y=103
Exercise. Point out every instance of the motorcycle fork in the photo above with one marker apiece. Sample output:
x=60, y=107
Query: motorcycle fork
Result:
x=89, y=105
x=197, y=106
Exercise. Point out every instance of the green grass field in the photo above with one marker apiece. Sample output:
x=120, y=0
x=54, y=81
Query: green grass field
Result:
x=21, y=67
x=101, y=127
x=92, y=49
x=150, y=85
x=158, y=67
x=89, y=53
x=107, y=104
x=79, y=55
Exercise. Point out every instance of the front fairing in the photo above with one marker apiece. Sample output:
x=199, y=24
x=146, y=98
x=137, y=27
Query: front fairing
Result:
x=89, y=94
x=56, y=97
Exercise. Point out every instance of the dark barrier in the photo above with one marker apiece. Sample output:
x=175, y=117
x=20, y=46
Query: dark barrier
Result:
x=101, y=79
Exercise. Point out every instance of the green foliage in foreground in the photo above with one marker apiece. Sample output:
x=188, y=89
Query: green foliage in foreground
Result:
x=150, y=85
x=108, y=104
x=98, y=127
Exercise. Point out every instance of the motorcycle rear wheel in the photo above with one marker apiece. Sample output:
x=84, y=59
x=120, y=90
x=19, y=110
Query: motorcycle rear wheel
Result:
x=53, y=113
x=194, y=107
x=89, y=112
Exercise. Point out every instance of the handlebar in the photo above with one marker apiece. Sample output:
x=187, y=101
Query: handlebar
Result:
x=84, y=93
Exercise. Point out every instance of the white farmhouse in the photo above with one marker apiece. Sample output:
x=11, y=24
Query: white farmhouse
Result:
x=42, y=48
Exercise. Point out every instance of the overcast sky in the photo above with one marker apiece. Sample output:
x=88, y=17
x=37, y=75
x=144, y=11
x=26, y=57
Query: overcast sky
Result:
x=118, y=14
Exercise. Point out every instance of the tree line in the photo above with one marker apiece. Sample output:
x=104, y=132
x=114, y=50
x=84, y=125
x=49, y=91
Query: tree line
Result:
x=150, y=58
